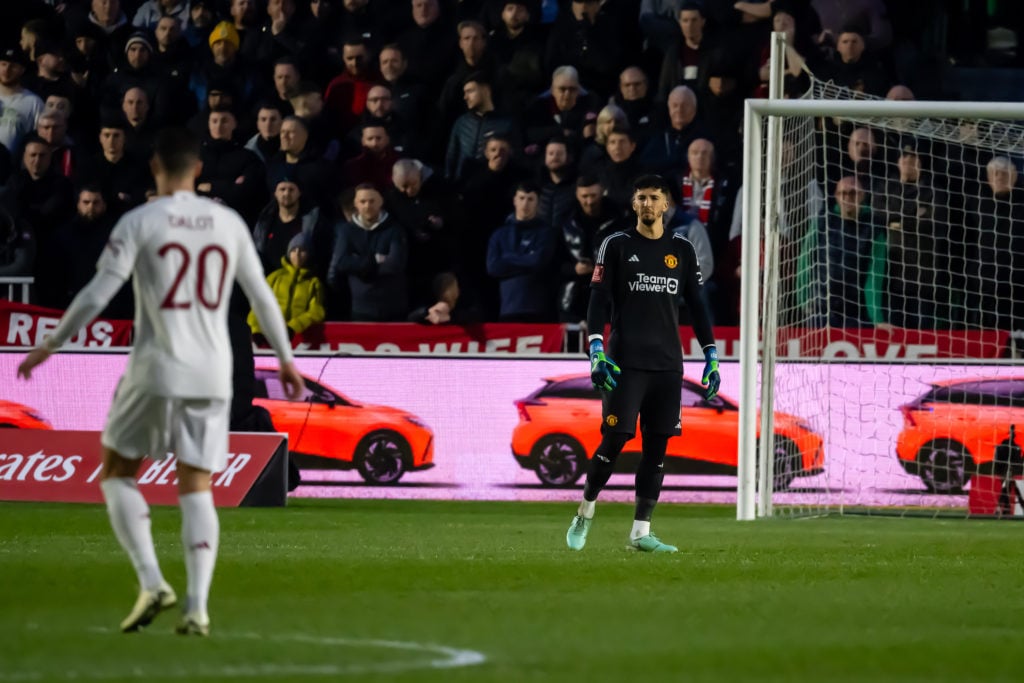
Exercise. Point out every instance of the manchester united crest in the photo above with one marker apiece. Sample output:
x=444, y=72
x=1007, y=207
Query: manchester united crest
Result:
x=611, y=420
x=671, y=261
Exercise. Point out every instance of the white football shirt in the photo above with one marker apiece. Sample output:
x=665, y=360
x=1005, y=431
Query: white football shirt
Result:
x=185, y=253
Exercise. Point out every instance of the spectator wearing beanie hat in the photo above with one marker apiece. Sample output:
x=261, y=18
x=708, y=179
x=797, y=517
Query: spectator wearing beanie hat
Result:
x=135, y=71
x=224, y=65
x=299, y=292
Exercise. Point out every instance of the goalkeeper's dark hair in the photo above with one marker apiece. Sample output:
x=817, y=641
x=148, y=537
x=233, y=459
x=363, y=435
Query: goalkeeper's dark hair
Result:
x=651, y=181
x=177, y=150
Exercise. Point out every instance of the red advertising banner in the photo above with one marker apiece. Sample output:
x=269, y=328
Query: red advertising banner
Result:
x=25, y=325
x=64, y=466
x=518, y=339
x=880, y=344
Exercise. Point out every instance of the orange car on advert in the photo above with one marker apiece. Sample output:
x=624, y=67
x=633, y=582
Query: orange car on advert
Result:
x=327, y=429
x=18, y=416
x=560, y=427
x=959, y=427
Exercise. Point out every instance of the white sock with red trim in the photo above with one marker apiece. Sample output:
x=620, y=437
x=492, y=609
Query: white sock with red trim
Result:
x=129, y=517
x=200, y=537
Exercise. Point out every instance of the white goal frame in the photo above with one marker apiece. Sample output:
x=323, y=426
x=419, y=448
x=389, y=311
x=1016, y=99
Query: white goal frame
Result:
x=762, y=123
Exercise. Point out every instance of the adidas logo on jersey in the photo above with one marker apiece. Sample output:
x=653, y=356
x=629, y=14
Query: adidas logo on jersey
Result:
x=634, y=259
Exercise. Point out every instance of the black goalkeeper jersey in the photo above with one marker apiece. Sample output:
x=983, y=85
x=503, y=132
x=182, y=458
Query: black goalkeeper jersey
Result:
x=645, y=279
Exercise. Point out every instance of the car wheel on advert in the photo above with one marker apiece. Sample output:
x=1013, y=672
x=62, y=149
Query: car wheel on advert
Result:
x=787, y=463
x=560, y=460
x=944, y=466
x=381, y=457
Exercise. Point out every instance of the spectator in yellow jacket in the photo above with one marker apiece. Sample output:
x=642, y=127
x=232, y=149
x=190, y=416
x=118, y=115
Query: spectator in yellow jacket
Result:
x=299, y=293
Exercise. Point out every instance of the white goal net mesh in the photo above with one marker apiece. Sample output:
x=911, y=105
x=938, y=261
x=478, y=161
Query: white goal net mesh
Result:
x=892, y=280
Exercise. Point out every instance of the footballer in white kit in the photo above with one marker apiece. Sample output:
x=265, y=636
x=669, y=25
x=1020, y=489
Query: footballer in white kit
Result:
x=176, y=390
x=183, y=253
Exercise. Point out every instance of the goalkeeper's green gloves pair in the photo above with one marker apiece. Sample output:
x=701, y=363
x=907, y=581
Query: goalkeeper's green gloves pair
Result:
x=603, y=370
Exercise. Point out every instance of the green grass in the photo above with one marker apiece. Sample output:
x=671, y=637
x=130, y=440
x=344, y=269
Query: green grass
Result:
x=823, y=600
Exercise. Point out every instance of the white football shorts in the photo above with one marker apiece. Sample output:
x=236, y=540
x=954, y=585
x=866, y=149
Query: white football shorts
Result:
x=194, y=430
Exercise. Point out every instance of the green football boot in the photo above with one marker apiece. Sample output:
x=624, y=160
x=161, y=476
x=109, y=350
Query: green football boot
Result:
x=576, y=536
x=651, y=544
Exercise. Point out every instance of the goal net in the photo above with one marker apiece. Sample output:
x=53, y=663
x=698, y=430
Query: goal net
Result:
x=883, y=280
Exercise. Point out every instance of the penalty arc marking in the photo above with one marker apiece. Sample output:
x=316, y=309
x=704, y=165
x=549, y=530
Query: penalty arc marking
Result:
x=433, y=657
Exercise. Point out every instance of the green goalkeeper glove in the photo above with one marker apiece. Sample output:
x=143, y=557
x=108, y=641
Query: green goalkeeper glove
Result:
x=711, y=379
x=602, y=368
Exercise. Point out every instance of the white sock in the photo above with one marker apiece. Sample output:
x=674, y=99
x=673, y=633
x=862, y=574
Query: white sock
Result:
x=586, y=508
x=640, y=529
x=200, y=536
x=129, y=517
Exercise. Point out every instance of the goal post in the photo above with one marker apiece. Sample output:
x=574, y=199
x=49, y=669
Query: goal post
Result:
x=790, y=176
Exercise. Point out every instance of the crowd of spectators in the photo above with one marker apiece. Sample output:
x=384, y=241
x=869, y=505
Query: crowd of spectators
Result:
x=443, y=161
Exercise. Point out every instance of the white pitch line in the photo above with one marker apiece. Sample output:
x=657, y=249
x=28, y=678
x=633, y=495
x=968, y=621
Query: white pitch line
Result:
x=440, y=657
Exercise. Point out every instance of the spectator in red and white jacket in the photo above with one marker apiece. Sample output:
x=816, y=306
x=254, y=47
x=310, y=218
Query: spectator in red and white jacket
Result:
x=707, y=196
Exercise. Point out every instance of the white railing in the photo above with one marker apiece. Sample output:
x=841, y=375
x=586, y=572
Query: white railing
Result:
x=10, y=285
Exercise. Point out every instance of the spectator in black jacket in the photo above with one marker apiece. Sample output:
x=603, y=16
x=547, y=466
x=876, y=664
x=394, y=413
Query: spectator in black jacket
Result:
x=518, y=47
x=471, y=130
x=267, y=140
x=40, y=196
x=915, y=215
x=283, y=218
x=380, y=108
x=853, y=67
x=279, y=35
x=519, y=256
x=231, y=173
x=78, y=244
x=669, y=140
x=124, y=179
x=315, y=177
x=592, y=218
x=409, y=97
x=17, y=246
x=371, y=252
x=142, y=126
x=686, y=62
x=587, y=39
x=419, y=201
x=429, y=46
x=556, y=182
x=564, y=110
x=474, y=56
x=484, y=196
x=621, y=168
x=168, y=96
x=995, y=244
x=170, y=51
x=635, y=98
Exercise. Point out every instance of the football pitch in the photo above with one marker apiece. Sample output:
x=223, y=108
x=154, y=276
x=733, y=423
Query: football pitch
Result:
x=453, y=591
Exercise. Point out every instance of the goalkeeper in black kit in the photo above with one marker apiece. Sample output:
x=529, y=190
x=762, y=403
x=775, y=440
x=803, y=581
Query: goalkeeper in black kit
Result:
x=641, y=274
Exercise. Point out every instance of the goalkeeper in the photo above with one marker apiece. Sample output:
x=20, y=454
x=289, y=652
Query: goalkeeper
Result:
x=640, y=274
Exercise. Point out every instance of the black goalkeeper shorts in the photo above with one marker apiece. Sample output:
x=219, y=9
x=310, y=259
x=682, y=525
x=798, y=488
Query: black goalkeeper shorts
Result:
x=655, y=396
